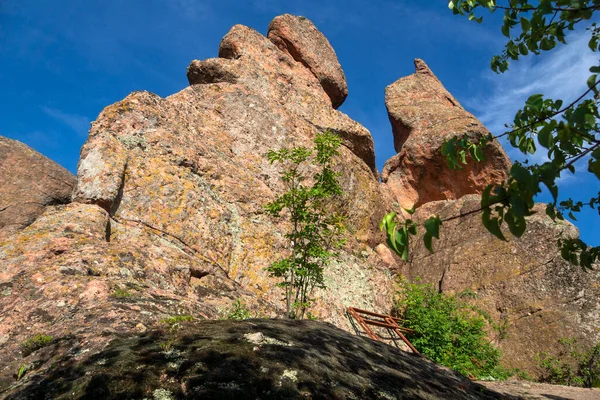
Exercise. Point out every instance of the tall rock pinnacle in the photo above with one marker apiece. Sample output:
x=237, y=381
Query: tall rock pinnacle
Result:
x=423, y=114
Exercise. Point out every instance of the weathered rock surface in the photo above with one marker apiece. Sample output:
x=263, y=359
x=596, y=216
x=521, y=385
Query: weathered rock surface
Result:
x=28, y=183
x=266, y=359
x=423, y=114
x=300, y=38
x=168, y=214
x=523, y=283
x=168, y=219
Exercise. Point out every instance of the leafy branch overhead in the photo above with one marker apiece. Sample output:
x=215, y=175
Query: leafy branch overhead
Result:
x=398, y=236
x=568, y=133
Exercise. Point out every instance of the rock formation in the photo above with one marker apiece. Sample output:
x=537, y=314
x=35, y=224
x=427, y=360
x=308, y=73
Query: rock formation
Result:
x=28, y=183
x=300, y=38
x=167, y=219
x=423, y=115
x=167, y=215
x=522, y=283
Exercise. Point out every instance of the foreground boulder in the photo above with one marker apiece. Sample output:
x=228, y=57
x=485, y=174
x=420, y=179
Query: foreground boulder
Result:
x=266, y=359
x=534, y=295
x=423, y=115
x=28, y=183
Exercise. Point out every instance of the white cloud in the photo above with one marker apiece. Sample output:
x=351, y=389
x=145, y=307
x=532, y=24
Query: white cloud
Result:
x=78, y=123
x=559, y=74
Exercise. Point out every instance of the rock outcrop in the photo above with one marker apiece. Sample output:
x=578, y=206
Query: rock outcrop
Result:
x=28, y=183
x=167, y=222
x=254, y=359
x=423, y=115
x=534, y=295
x=167, y=215
x=300, y=38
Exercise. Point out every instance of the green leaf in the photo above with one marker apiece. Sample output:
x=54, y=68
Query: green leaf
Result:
x=523, y=49
x=427, y=239
x=525, y=24
x=523, y=176
x=516, y=223
x=594, y=165
x=535, y=101
x=387, y=221
x=492, y=224
x=591, y=80
x=432, y=226
x=545, y=137
x=547, y=44
x=412, y=229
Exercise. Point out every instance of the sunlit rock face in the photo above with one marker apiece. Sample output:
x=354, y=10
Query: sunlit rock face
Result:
x=300, y=38
x=168, y=214
x=423, y=115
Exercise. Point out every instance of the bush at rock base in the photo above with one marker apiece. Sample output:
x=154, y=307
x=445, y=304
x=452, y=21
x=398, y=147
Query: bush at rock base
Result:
x=448, y=331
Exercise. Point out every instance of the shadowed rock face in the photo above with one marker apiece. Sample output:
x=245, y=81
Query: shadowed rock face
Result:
x=28, y=183
x=423, y=114
x=266, y=359
x=168, y=214
x=522, y=283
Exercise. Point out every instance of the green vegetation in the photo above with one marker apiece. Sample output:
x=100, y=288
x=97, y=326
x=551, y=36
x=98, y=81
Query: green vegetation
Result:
x=22, y=371
x=572, y=365
x=121, y=294
x=176, y=319
x=448, y=331
x=173, y=324
x=238, y=311
x=315, y=229
x=35, y=343
x=567, y=133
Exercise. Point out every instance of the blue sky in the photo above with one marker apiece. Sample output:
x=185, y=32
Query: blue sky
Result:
x=61, y=62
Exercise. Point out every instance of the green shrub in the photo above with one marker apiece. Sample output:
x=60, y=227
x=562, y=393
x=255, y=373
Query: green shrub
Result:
x=176, y=319
x=121, y=294
x=448, y=331
x=572, y=365
x=35, y=343
x=238, y=311
x=173, y=324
